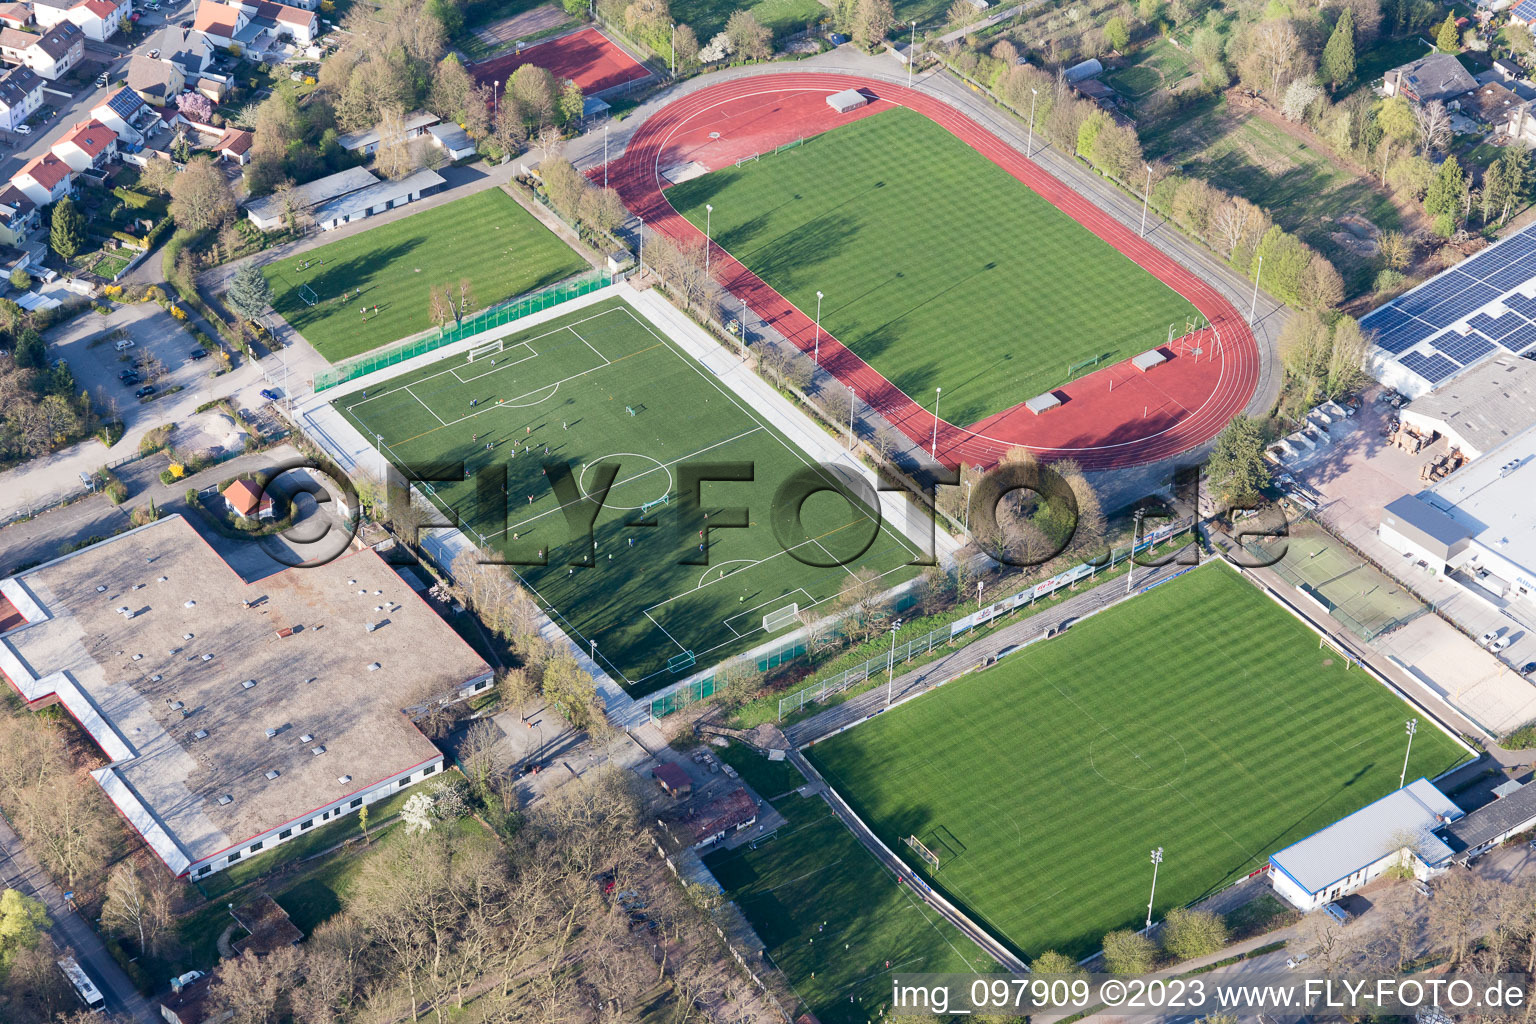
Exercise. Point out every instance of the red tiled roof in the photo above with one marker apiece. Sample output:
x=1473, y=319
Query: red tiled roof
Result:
x=243, y=496
x=101, y=8
x=92, y=136
x=15, y=12
x=16, y=39
x=234, y=140
x=672, y=776
x=282, y=12
x=218, y=18
x=47, y=170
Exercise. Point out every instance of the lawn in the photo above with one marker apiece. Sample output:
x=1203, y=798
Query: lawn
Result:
x=939, y=268
x=485, y=238
x=769, y=778
x=1158, y=65
x=1301, y=186
x=601, y=388
x=783, y=16
x=824, y=906
x=1200, y=718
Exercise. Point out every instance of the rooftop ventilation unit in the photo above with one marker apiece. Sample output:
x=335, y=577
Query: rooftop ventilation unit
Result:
x=155, y=679
x=162, y=579
x=138, y=657
x=225, y=799
x=190, y=604
x=344, y=779
x=247, y=684
x=201, y=734
x=271, y=733
x=362, y=592
x=271, y=774
x=101, y=590
x=122, y=610
x=376, y=593
x=369, y=627
x=317, y=751
x=137, y=586
x=207, y=657
x=306, y=738
x=186, y=636
x=177, y=705
x=285, y=632
x=374, y=667
x=351, y=583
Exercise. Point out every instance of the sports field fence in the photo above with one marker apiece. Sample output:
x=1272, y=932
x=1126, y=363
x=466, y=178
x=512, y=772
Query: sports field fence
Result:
x=794, y=647
x=499, y=315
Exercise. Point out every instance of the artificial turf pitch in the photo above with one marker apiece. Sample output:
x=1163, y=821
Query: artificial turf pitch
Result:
x=831, y=916
x=1199, y=717
x=487, y=238
x=939, y=268
x=601, y=386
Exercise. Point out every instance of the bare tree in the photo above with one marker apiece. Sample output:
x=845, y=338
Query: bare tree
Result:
x=393, y=158
x=138, y=903
x=1433, y=121
x=255, y=991
x=1458, y=903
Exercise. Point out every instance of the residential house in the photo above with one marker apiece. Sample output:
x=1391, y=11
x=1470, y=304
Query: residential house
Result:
x=248, y=501
x=44, y=179
x=366, y=143
x=18, y=217
x=86, y=146
x=1435, y=76
x=1508, y=69
x=51, y=55
x=1521, y=124
x=235, y=145
x=1524, y=13
x=98, y=19
x=1491, y=103
x=187, y=48
x=21, y=93
x=15, y=15
x=123, y=112
x=156, y=82
x=255, y=25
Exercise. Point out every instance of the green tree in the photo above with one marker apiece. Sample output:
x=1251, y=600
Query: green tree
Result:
x=1448, y=40
x=1445, y=201
x=1190, y=933
x=1339, y=54
x=1236, y=468
x=1519, y=38
x=1117, y=33
x=22, y=920
x=1395, y=118
x=20, y=279
x=1052, y=963
x=249, y=294
x=67, y=237
x=31, y=353
x=1128, y=952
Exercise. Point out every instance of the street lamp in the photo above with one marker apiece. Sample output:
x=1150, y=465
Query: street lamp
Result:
x=912, y=55
x=1145, y=196
x=1157, y=858
x=934, y=449
x=1254, y=305
x=1413, y=727
x=495, y=101
x=1034, y=96
x=968, y=508
x=709, y=211
x=605, y=156
x=672, y=61
x=1130, y=570
x=853, y=401
x=816, y=357
x=890, y=668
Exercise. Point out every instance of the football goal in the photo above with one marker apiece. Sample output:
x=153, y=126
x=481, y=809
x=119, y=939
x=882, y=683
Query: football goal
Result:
x=1325, y=641
x=781, y=617
x=929, y=857
x=308, y=295
x=489, y=348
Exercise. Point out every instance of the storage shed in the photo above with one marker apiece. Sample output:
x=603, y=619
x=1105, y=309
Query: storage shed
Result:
x=848, y=99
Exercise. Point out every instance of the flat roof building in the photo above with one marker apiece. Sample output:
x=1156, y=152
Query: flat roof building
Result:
x=1491, y=499
x=267, y=212
x=1353, y=850
x=376, y=198
x=1480, y=409
x=234, y=716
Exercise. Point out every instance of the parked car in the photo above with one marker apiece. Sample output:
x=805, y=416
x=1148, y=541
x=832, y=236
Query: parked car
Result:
x=1501, y=643
x=1291, y=963
x=1528, y=668
x=154, y=54
x=102, y=81
x=23, y=129
x=1338, y=913
x=270, y=395
x=1488, y=637
x=1422, y=889
x=127, y=374
x=197, y=353
x=145, y=391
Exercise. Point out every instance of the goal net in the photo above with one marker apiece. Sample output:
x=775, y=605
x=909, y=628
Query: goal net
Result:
x=308, y=295
x=1325, y=642
x=490, y=348
x=781, y=617
x=928, y=856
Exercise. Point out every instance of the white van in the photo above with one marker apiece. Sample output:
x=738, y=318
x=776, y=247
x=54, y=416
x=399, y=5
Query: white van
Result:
x=124, y=344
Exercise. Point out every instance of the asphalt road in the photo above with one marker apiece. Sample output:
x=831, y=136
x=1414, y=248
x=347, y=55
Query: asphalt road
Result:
x=68, y=930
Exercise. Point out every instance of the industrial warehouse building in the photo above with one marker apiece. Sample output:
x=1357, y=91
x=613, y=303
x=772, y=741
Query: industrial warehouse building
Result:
x=233, y=716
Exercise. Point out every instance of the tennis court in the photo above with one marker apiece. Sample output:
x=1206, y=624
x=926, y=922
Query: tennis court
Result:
x=601, y=399
x=1355, y=592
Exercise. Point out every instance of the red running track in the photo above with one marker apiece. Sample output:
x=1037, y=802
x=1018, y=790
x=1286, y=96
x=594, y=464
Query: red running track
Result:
x=588, y=58
x=1112, y=418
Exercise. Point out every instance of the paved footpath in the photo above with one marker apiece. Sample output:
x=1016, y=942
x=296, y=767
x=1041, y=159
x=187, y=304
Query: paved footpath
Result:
x=69, y=930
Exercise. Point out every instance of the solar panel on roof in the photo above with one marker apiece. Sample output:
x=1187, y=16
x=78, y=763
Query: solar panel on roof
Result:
x=1460, y=305
x=1513, y=274
x=1405, y=337
x=1432, y=368
x=1520, y=339
x=1465, y=349
x=1385, y=319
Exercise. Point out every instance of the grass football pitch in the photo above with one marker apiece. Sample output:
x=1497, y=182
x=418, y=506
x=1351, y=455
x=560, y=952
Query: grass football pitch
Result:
x=1199, y=717
x=486, y=238
x=600, y=387
x=938, y=268
x=824, y=906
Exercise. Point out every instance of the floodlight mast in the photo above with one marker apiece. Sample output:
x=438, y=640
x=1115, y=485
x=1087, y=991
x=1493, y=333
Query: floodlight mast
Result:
x=1157, y=858
x=1413, y=727
x=890, y=668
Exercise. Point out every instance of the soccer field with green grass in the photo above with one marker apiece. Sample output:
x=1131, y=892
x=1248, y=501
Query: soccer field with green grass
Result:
x=939, y=268
x=1200, y=717
x=823, y=905
x=601, y=389
x=487, y=238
